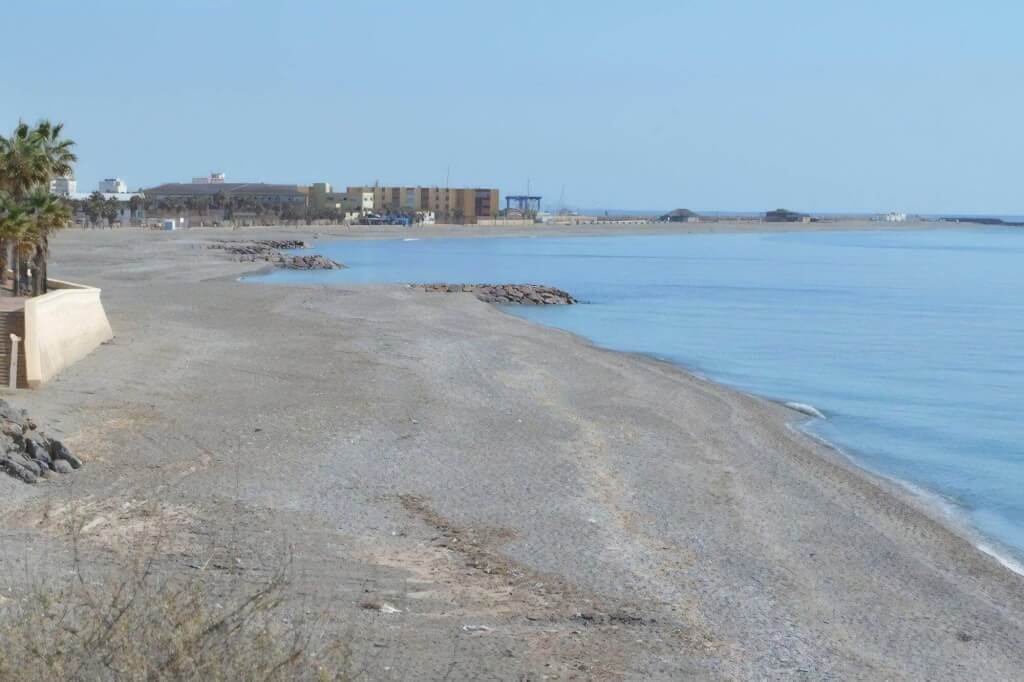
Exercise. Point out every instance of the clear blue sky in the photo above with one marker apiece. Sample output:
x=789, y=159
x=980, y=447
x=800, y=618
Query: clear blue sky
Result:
x=915, y=105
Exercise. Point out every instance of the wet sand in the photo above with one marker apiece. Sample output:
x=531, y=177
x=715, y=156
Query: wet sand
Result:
x=605, y=516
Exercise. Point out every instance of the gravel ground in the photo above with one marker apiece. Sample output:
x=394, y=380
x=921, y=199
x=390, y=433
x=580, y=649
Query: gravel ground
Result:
x=532, y=505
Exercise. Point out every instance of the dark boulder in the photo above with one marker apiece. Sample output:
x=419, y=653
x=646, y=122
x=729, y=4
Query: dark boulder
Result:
x=271, y=251
x=16, y=470
x=31, y=465
x=27, y=453
x=14, y=431
x=58, y=451
x=506, y=294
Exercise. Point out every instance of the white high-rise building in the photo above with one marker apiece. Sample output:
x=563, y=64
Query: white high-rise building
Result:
x=63, y=186
x=113, y=186
x=211, y=179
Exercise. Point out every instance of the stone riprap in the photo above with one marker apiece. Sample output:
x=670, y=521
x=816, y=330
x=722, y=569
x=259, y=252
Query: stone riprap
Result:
x=507, y=294
x=270, y=251
x=27, y=453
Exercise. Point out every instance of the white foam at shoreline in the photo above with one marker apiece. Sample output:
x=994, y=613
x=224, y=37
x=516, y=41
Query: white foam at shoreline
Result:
x=411, y=239
x=1007, y=562
x=955, y=516
x=809, y=410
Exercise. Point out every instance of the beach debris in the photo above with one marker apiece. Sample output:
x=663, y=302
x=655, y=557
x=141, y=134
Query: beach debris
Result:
x=612, y=619
x=476, y=628
x=381, y=606
x=506, y=294
x=27, y=453
x=271, y=251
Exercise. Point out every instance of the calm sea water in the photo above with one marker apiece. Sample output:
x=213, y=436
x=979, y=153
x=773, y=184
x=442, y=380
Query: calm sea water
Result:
x=910, y=343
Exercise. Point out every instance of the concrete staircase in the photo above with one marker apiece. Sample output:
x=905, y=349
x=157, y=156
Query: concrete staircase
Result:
x=12, y=322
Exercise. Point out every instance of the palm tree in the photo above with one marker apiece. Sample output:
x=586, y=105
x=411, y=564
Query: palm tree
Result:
x=29, y=159
x=23, y=164
x=15, y=225
x=135, y=203
x=49, y=213
x=95, y=207
x=111, y=210
x=58, y=152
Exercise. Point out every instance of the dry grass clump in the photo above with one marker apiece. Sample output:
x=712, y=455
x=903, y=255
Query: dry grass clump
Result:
x=139, y=627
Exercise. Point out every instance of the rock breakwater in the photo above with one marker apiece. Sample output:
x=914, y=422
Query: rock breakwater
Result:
x=270, y=251
x=27, y=453
x=507, y=294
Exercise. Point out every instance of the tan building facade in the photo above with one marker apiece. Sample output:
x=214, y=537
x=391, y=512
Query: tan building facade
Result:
x=323, y=198
x=450, y=205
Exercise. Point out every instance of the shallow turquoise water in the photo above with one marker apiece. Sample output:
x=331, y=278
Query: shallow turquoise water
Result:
x=911, y=343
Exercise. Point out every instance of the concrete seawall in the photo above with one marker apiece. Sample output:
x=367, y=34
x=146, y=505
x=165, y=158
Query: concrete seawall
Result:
x=61, y=328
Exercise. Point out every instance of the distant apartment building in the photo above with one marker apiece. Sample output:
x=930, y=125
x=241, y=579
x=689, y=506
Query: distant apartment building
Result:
x=458, y=205
x=211, y=179
x=294, y=195
x=365, y=199
x=323, y=198
x=63, y=186
x=112, y=186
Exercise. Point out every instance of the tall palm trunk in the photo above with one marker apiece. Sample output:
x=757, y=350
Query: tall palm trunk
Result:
x=39, y=268
x=3, y=261
x=16, y=269
x=23, y=261
x=44, y=272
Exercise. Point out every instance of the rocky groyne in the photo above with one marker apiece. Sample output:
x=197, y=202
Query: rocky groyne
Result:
x=27, y=453
x=507, y=294
x=271, y=251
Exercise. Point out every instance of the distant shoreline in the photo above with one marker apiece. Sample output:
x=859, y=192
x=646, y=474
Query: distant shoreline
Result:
x=550, y=230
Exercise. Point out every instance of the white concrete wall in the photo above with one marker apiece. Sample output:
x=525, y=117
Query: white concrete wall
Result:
x=62, y=327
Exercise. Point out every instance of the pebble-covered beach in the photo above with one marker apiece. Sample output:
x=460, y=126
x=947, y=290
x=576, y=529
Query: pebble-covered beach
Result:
x=464, y=490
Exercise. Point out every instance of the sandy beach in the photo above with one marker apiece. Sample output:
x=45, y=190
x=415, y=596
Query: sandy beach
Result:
x=531, y=504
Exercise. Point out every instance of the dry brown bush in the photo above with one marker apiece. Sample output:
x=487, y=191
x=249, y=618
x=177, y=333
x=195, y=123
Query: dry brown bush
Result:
x=137, y=626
